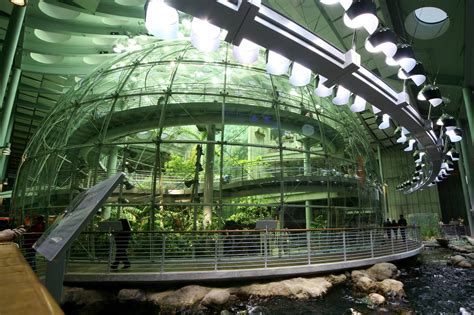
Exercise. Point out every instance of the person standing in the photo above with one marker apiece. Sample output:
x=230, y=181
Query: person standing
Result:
x=394, y=226
x=402, y=223
x=387, y=226
x=122, y=240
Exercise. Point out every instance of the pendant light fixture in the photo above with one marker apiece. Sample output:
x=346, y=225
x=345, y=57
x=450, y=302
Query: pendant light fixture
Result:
x=439, y=121
x=342, y=96
x=300, y=75
x=417, y=74
x=362, y=13
x=383, y=122
x=418, y=156
x=451, y=130
x=161, y=20
x=276, y=63
x=403, y=135
x=403, y=57
x=246, y=53
x=411, y=143
x=453, y=155
x=431, y=94
x=454, y=134
x=358, y=104
x=204, y=35
x=321, y=90
x=383, y=40
x=447, y=165
x=20, y=3
x=375, y=110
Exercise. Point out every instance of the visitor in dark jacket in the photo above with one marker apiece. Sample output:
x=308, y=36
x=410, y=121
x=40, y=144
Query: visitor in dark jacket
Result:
x=122, y=240
x=402, y=223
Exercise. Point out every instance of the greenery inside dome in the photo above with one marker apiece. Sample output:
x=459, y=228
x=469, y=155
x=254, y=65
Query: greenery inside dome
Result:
x=206, y=143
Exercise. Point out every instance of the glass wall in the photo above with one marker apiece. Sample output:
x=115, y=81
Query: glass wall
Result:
x=205, y=142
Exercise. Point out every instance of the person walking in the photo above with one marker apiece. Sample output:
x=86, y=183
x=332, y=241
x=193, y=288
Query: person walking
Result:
x=122, y=240
x=402, y=223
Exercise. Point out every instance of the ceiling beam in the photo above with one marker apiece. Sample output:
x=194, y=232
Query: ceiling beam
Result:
x=469, y=46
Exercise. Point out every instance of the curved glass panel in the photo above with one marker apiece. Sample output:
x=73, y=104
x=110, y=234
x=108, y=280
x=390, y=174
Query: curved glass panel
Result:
x=204, y=141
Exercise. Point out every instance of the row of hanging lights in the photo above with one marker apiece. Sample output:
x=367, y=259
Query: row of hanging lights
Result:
x=162, y=21
x=362, y=14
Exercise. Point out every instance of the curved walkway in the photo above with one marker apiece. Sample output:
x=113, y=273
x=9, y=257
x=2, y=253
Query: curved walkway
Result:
x=233, y=255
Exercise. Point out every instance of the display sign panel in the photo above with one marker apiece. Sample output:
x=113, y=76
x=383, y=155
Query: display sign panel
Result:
x=68, y=226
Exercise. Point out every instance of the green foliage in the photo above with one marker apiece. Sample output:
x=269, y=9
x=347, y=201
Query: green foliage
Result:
x=319, y=222
x=248, y=215
x=177, y=164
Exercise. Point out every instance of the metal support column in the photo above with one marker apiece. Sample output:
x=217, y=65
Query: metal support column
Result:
x=9, y=47
x=384, y=191
x=467, y=95
x=209, y=175
x=307, y=172
x=467, y=181
x=111, y=170
x=7, y=120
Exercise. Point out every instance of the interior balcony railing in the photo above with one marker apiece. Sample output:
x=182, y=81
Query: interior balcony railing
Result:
x=233, y=254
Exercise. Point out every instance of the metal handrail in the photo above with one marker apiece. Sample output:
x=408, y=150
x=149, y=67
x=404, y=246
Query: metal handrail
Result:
x=213, y=251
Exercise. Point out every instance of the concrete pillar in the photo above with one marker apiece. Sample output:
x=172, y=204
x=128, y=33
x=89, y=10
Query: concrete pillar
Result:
x=467, y=95
x=6, y=124
x=307, y=172
x=111, y=170
x=9, y=47
x=467, y=180
x=209, y=175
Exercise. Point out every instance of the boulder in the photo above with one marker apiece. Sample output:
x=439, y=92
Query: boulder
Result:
x=376, y=298
x=336, y=279
x=356, y=274
x=126, y=295
x=81, y=296
x=216, y=298
x=457, y=259
x=464, y=264
x=157, y=298
x=460, y=261
x=365, y=284
x=184, y=297
x=391, y=287
x=382, y=271
x=299, y=288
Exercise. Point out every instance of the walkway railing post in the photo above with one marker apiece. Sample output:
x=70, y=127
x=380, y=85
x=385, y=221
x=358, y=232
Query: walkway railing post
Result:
x=406, y=238
x=265, y=248
x=163, y=249
x=393, y=248
x=308, y=246
x=216, y=251
x=111, y=248
x=344, y=244
x=371, y=244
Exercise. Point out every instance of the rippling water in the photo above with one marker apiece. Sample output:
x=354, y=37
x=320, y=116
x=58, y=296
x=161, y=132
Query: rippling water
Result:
x=431, y=287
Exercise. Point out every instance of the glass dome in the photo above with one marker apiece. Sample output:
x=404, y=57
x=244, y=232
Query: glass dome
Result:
x=203, y=140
